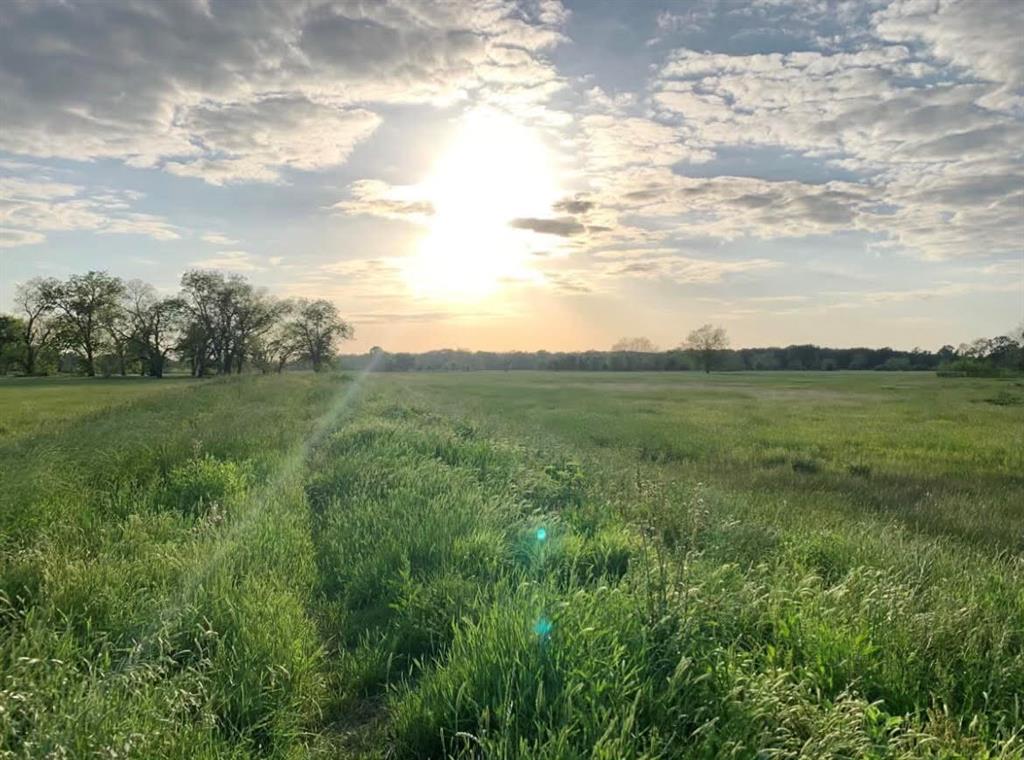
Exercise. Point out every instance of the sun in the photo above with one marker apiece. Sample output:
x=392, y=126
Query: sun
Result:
x=495, y=170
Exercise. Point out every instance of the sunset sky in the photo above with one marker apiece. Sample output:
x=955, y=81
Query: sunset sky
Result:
x=533, y=174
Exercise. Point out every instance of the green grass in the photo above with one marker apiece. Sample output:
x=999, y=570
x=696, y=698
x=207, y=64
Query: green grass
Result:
x=37, y=404
x=516, y=565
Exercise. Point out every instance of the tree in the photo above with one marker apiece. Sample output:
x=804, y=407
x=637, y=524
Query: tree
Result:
x=280, y=344
x=35, y=305
x=256, y=313
x=639, y=344
x=317, y=327
x=118, y=327
x=153, y=325
x=706, y=341
x=199, y=296
x=84, y=305
x=11, y=331
x=227, y=319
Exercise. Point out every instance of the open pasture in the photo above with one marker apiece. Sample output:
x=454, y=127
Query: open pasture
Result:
x=513, y=565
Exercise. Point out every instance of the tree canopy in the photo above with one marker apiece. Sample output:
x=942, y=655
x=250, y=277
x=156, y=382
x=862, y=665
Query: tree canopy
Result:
x=215, y=324
x=707, y=341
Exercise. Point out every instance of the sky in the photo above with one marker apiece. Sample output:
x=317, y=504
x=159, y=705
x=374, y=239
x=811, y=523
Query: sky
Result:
x=533, y=174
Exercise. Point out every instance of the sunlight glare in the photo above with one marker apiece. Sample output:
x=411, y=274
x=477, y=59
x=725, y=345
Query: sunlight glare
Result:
x=495, y=170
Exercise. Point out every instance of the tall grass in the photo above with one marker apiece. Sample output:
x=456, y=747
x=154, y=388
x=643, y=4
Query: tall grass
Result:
x=156, y=577
x=651, y=621
x=518, y=567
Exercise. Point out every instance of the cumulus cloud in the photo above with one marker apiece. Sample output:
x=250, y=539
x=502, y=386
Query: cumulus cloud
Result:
x=940, y=163
x=253, y=140
x=982, y=38
x=908, y=112
x=231, y=92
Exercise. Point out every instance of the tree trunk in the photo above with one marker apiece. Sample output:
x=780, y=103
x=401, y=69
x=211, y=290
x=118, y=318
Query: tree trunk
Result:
x=90, y=365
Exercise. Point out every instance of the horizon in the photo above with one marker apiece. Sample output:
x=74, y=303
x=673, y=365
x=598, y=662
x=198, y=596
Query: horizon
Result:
x=836, y=174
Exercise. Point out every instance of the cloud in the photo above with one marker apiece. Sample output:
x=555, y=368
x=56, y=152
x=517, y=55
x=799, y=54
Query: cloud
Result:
x=606, y=270
x=729, y=207
x=683, y=269
x=228, y=93
x=376, y=198
x=230, y=261
x=569, y=283
x=216, y=238
x=11, y=238
x=939, y=162
x=574, y=206
x=255, y=140
x=982, y=38
x=38, y=206
x=563, y=227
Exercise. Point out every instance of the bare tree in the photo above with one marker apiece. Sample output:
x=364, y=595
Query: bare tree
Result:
x=706, y=341
x=640, y=344
x=35, y=307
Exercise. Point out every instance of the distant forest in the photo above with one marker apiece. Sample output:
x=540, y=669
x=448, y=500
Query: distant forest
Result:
x=96, y=323
x=983, y=357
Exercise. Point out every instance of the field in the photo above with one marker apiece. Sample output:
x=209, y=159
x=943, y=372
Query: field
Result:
x=513, y=565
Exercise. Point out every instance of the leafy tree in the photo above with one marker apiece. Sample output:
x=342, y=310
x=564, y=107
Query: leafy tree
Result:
x=256, y=313
x=35, y=305
x=118, y=326
x=199, y=294
x=11, y=348
x=84, y=304
x=227, y=320
x=707, y=341
x=316, y=327
x=279, y=344
x=154, y=324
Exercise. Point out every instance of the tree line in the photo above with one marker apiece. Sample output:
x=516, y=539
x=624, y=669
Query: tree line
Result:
x=707, y=349
x=96, y=323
